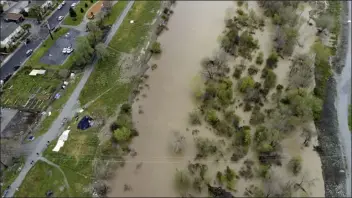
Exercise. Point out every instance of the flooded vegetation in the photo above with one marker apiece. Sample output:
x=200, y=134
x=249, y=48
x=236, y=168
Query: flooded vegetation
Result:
x=229, y=104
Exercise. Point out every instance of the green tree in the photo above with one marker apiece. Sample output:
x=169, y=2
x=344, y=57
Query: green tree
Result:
x=156, y=49
x=270, y=79
x=72, y=12
x=81, y=10
x=36, y=11
x=101, y=51
x=245, y=83
x=86, y=5
x=95, y=34
x=1, y=8
x=122, y=134
x=83, y=52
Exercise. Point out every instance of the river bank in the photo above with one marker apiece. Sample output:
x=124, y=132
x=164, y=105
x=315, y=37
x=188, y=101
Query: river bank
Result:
x=335, y=169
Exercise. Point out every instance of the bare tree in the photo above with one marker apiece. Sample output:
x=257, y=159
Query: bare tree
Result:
x=100, y=188
x=179, y=143
x=107, y=4
x=301, y=72
x=215, y=67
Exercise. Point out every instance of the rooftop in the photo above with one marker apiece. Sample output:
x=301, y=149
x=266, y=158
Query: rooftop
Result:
x=13, y=16
x=7, y=29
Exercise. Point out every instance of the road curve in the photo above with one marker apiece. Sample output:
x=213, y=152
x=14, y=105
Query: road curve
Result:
x=67, y=112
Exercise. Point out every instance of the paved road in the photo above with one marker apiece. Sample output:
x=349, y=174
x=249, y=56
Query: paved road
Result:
x=20, y=55
x=68, y=111
x=342, y=102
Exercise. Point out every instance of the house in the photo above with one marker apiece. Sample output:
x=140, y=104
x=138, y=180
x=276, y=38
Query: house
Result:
x=13, y=17
x=9, y=33
x=44, y=5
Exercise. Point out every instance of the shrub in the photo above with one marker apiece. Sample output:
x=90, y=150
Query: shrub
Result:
x=211, y=117
x=257, y=85
x=295, y=165
x=182, y=181
x=122, y=134
x=126, y=108
x=272, y=60
x=264, y=171
x=259, y=60
x=194, y=118
x=239, y=11
x=245, y=83
x=237, y=73
x=156, y=48
x=252, y=70
x=279, y=87
x=239, y=153
x=26, y=26
x=82, y=10
x=124, y=120
x=270, y=79
x=247, y=107
x=205, y=147
x=232, y=118
x=257, y=117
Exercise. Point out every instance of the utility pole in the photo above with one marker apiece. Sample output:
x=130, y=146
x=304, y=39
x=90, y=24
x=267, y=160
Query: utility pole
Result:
x=48, y=26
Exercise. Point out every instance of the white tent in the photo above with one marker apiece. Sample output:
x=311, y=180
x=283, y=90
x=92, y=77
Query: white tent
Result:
x=60, y=143
x=34, y=72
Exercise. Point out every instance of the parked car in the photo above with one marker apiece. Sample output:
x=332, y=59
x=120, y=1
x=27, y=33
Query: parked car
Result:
x=69, y=50
x=29, y=52
x=59, y=7
x=60, y=18
x=64, y=50
x=73, y=5
x=63, y=3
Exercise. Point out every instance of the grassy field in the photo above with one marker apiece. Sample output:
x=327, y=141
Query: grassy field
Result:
x=10, y=174
x=31, y=92
x=57, y=105
x=130, y=36
x=75, y=157
x=34, y=60
x=106, y=74
x=78, y=20
x=41, y=178
x=115, y=12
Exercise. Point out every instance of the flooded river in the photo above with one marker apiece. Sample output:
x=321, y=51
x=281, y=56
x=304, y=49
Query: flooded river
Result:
x=193, y=31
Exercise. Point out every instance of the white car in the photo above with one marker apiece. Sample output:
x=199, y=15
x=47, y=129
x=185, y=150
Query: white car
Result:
x=60, y=18
x=63, y=3
x=73, y=5
x=29, y=52
x=64, y=50
x=59, y=7
x=69, y=50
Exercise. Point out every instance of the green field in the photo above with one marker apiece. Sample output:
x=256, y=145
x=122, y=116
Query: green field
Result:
x=75, y=158
x=9, y=175
x=115, y=12
x=33, y=92
x=42, y=178
x=106, y=74
x=78, y=20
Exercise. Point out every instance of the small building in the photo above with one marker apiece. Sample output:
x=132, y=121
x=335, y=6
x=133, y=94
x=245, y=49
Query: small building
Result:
x=13, y=17
x=10, y=32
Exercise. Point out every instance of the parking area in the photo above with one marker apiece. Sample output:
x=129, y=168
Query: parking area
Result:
x=55, y=56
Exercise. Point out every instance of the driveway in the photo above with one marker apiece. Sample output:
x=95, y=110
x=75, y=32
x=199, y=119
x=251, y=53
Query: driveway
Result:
x=19, y=57
x=67, y=112
x=54, y=55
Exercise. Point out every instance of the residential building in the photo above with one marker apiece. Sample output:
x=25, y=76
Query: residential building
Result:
x=13, y=17
x=10, y=32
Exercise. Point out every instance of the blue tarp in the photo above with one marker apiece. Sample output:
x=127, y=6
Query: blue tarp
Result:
x=84, y=123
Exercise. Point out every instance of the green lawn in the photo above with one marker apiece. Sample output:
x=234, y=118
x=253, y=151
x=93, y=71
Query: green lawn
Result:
x=106, y=73
x=31, y=92
x=78, y=20
x=34, y=60
x=41, y=178
x=115, y=12
x=9, y=175
x=57, y=106
x=130, y=36
x=75, y=157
